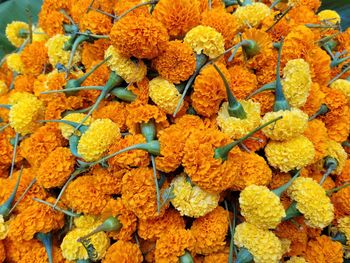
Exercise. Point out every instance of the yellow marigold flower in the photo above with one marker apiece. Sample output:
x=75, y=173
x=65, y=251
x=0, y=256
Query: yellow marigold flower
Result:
x=336, y=150
x=252, y=14
x=312, y=202
x=191, y=200
x=25, y=113
x=296, y=82
x=293, y=123
x=123, y=252
x=261, y=207
x=164, y=94
x=205, y=39
x=262, y=244
x=74, y=250
x=39, y=35
x=125, y=67
x=13, y=32
x=289, y=155
x=344, y=227
x=56, y=52
x=14, y=62
x=342, y=85
x=3, y=228
x=329, y=16
x=68, y=130
x=236, y=127
x=86, y=221
x=96, y=140
x=3, y=88
x=296, y=260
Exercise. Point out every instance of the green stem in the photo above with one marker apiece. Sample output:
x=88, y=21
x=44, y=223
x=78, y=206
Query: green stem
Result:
x=323, y=110
x=222, y=152
x=339, y=75
x=72, y=89
x=46, y=239
x=235, y=108
x=229, y=3
x=135, y=7
x=244, y=256
x=346, y=144
x=186, y=258
x=266, y=87
x=22, y=196
x=80, y=39
x=73, y=145
x=66, y=212
x=148, y=130
x=340, y=237
x=14, y=154
x=4, y=127
x=249, y=46
x=336, y=62
x=279, y=191
x=124, y=94
x=330, y=164
x=6, y=106
x=153, y=160
x=292, y=211
x=75, y=125
x=336, y=189
x=321, y=26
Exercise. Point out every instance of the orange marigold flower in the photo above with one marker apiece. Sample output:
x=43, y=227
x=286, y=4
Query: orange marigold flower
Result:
x=51, y=21
x=344, y=177
x=320, y=63
x=242, y=81
x=34, y=219
x=279, y=30
x=2, y=252
x=110, y=181
x=256, y=143
x=113, y=110
x=210, y=174
x=139, y=193
x=266, y=100
x=127, y=218
x=121, y=6
x=314, y=100
x=204, y=6
x=152, y=229
x=96, y=22
x=341, y=202
x=44, y=140
x=177, y=16
x=129, y=159
x=123, y=252
x=172, y=244
x=323, y=249
x=93, y=51
x=210, y=231
x=209, y=90
x=56, y=168
x=139, y=36
x=176, y=62
x=6, y=150
x=85, y=195
x=301, y=14
x=24, y=83
x=340, y=129
x=311, y=4
x=34, y=57
x=221, y=256
x=316, y=132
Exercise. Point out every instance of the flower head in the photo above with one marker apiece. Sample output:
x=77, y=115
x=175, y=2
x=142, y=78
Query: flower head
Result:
x=96, y=140
x=341, y=202
x=289, y=155
x=164, y=94
x=324, y=249
x=261, y=207
x=336, y=151
x=34, y=57
x=252, y=15
x=190, y=199
x=312, y=202
x=206, y=40
x=25, y=113
x=125, y=67
x=13, y=32
x=316, y=132
x=176, y=62
x=123, y=252
x=329, y=16
x=96, y=22
x=293, y=123
x=342, y=85
x=262, y=244
x=15, y=63
x=296, y=82
x=68, y=130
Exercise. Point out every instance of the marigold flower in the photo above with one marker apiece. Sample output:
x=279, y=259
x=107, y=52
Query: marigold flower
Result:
x=206, y=40
x=324, y=249
x=209, y=232
x=123, y=252
x=139, y=36
x=316, y=132
x=164, y=94
x=34, y=219
x=96, y=22
x=320, y=62
x=261, y=207
x=242, y=81
x=176, y=62
x=293, y=123
x=96, y=140
x=314, y=100
x=236, y=127
x=56, y=169
x=139, y=193
x=296, y=260
x=15, y=63
x=329, y=16
x=172, y=244
x=13, y=32
x=345, y=175
x=51, y=21
x=341, y=202
x=34, y=57
x=342, y=85
x=252, y=14
x=296, y=82
x=2, y=252
x=152, y=229
x=289, y=155
x=222, y=256
x=56, y=53
x=67, y=130
x=336, y=151
x=25, y=113
x=312, y=202
x=262, y=244
x=191, y=200
x=178, y=17
x=125, y=67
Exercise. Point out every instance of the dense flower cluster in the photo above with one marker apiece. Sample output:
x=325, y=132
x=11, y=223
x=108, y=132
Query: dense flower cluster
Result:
x=176, y=131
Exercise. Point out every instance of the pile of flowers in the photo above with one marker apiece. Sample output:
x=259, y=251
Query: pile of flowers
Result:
x=176, y=131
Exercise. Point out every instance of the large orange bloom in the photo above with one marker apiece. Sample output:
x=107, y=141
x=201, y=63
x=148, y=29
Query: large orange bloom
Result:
x=323, y=249
x=96, y=22
x=92, y=52
x=243, y=81
x=314, y=100
x=316, y=132
x=34, y=57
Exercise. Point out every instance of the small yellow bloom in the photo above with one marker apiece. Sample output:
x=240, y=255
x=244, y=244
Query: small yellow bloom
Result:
x=342, y=85
x=252, y=14
x=4, y=227
x=13, y=32
x=336, y=150
x=14, y=62
x=67, y=130
x=39, y=35
x=329, y=16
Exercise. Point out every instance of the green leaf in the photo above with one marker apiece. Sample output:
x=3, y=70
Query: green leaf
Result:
x=340, y=6
x=15, y=10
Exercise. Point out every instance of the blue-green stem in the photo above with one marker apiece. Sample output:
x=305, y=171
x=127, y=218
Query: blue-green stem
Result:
x=46, y=239
x=337, y=61
x=22, y=195
x=251, y=48
x=77, y=41
x=223, y=151
x=280, y=190
x=339, y=75
x=280, y=100
x=229, y=3
x=5, y=208
x=83, y=261
x=186, y=258
x=4, y=127
x=235, y=108
x=244, y=256
x=14, y=154
x=72, y=89
x=6, y=106
x=75, y=125
x=321, y=26
x=323, y=110
x=73, y=145
x=66, y=212
x=340, y=237
x=292, y=211
x=65, y=113
x=201, y=60
x=346, y=144
x=70, y=29
x=330, y=164
x=336, y=189
x=266, y=87
x=135, y=7
x=124, y=94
